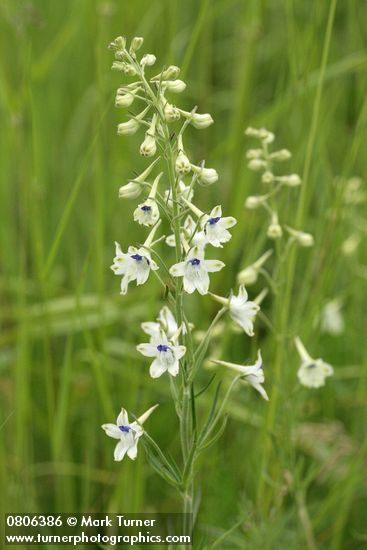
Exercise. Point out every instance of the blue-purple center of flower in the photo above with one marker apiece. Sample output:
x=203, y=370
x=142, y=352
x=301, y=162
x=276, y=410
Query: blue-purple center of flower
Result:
x=146, y=208
x=311, y=365
x=137, y=257
x=162, y=347
x=195, y=261
x=125, y=429
x=213, y=221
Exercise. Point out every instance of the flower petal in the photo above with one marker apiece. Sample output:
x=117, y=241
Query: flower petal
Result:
x=148, y=350
x=178, y=270
x=157, y=369
x=122, y=419
x=213, y=265
x=120, y=450
x=112, y=430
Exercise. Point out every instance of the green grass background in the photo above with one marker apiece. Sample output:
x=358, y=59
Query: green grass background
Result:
x=67, y=357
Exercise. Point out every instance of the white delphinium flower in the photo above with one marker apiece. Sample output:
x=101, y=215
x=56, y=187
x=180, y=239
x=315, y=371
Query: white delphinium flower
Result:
x=312, y=372
x=135, y=265
x=127, y=433
x=214, y=226
x=166, y=322
x=254, y=374
x=241, y=310
x=207, y=176
x=133, y=189
x=195, y=271
x=166, y=355
x=147, y=213
x=332, y=319
x=249, y=275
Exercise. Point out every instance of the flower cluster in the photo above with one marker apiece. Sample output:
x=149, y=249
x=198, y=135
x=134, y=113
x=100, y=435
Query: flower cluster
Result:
x=165, y=192
x=264, y=161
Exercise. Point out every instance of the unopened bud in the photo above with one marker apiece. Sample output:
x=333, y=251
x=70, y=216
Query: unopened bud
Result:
x=255, y=201
x=148, y=60
x=175, y=86
x=267, y=177
x=293, y=180
x=136, y=44
x=254, y=153
x=282, y=154
x=207, y=176
x=256, y=164
x=130, y=191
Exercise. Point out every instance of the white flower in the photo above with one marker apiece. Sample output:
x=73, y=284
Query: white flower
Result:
x=215, y=227
x=127, y=433
x=240, y=309
x=147, y=213
x=254, y=374
x=166, y=323
x=331, y=318
x=125, y=98
x=312, y=372
x=195, y=270
x=135, y=265
x=149, y=147
x=243, y=311
x=166, y=355
x=207, y=176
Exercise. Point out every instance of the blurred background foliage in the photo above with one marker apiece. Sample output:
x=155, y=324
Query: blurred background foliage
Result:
x=67, y=357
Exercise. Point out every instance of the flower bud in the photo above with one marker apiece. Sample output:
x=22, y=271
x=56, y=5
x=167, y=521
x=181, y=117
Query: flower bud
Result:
x=256, y=164
x=148, y=59
x=254, y=201
x=125, y=99
x=118, y=44
x=171, y=113
x=207, y=176
x=293, y=180
x=182, y=164
x=267, y=177
x=175, y=86
x=274, y=230
x=199, y=121
x=130, y=191
x=128, y=128
x=282, y=154
x=149, y=147
x=124, y=67
x=254, y=153
x=136, y=44
x=302, y=238
x=171, y=73
x=131, y=127
x=247, y=276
